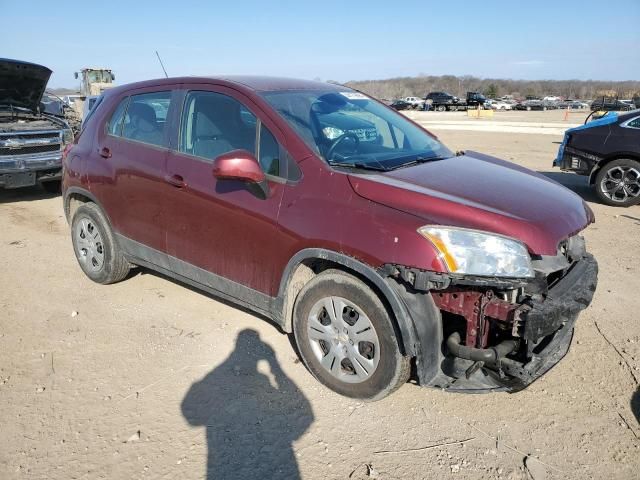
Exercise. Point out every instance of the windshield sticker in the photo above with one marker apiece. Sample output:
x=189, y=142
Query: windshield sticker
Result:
x=354, y=95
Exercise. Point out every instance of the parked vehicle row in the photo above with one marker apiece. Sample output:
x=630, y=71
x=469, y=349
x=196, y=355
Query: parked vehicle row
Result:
x=443, y=101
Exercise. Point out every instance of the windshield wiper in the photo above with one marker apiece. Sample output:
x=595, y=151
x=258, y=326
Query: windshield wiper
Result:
x=361, y=165
x=417, y=161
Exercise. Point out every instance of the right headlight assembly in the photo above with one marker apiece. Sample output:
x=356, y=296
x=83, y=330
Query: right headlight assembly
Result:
x=472, y=252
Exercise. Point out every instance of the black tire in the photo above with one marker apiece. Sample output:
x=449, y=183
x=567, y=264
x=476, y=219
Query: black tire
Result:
x=113, y=267
x=610, y=169
x=52, y=187
x=441, y=108
x=393, y=367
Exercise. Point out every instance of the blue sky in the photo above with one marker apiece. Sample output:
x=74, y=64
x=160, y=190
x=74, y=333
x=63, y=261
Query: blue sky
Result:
x=331, y=40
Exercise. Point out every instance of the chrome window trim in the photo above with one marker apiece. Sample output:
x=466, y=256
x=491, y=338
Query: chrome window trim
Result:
x=626, y=123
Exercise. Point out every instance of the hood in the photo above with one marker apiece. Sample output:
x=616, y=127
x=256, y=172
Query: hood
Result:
x=484, y=193
x=22, y=84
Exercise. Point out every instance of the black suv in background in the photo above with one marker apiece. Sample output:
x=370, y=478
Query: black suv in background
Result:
x=440, y=100
x=443, y=101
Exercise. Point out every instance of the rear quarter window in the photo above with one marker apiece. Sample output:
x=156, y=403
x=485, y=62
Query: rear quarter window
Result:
x=114, y=126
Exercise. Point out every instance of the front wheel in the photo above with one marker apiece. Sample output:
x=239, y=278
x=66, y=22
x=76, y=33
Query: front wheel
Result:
x=346, y=338
x=618, y=183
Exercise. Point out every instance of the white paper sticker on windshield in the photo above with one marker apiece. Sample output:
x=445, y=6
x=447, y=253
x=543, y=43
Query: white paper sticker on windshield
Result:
x=354, y=95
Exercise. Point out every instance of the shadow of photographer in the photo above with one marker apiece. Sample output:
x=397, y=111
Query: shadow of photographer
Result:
x=251, y=415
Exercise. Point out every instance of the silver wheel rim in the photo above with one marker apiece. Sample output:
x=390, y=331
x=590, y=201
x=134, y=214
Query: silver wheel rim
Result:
x=343, y=339
x=89, y=246
x=620, y=184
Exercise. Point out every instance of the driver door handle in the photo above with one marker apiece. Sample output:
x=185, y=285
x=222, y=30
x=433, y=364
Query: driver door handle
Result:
x=175, y=180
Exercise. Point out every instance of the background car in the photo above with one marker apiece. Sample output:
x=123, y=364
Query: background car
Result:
x=573, y=104
x=529, y=105
x=501, y=105
x=415, y=102
x=401, y=105
x=613, y=166
x=611, y=105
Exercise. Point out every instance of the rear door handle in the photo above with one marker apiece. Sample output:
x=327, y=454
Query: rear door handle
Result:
x=104, y=152
x=175, y=180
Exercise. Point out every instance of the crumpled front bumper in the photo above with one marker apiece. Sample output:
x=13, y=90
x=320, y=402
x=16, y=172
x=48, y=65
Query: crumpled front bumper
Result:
x=551, y=322
x=546, y=338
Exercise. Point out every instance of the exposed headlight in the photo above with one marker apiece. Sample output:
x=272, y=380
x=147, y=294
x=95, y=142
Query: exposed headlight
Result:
x=332, y=132
x=472, y=252
x=67, y=136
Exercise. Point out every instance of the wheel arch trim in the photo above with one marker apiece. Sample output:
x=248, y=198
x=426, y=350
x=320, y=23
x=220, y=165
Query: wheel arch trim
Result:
x=608, y=159
x=402, y=317
x=66, y=201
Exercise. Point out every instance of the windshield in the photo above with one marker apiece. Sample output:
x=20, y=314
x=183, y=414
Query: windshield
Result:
x=347, y=128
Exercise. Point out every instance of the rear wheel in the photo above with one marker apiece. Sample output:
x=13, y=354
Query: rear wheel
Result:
x=618, y=183
x=95, y=247
x=346, y=338
x=441, y=108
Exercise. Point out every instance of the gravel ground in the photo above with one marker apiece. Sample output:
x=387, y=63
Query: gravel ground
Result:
x=150, y=379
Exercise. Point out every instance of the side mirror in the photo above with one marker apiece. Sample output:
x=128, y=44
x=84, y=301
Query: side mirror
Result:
x=75, y=74
x=238, y=165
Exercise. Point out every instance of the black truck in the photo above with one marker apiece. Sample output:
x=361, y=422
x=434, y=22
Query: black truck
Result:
x=443, y=101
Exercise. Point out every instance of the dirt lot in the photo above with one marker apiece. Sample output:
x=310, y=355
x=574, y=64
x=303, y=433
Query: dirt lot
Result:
x=148, y=378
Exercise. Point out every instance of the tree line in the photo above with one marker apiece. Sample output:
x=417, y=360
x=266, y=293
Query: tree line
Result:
x=393, y=88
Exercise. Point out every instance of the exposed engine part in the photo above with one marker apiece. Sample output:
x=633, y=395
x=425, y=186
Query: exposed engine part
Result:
x=490, y=356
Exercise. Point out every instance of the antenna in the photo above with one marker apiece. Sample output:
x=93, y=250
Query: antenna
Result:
x=162, y=65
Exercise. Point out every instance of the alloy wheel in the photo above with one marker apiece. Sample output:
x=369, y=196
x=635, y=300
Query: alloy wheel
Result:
x=621, y=184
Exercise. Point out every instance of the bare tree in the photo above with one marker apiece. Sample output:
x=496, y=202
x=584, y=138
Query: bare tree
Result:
x=420, y=86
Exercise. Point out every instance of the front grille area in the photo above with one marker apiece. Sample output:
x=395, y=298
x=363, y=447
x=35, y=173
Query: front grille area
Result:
x=29, y=150
x=29, y=143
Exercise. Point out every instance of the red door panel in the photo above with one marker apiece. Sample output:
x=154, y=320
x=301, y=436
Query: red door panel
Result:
x=220, y=226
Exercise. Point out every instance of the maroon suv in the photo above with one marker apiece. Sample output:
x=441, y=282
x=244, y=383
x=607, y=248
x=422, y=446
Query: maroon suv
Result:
x=340, y=219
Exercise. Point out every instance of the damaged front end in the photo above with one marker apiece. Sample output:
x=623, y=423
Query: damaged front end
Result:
x=502, y=334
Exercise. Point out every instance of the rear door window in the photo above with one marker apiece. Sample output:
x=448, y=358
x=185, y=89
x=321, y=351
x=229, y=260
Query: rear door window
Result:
x=146, y=118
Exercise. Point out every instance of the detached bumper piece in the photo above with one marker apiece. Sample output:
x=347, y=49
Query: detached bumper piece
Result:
x=507, y=345
x=575, y=160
